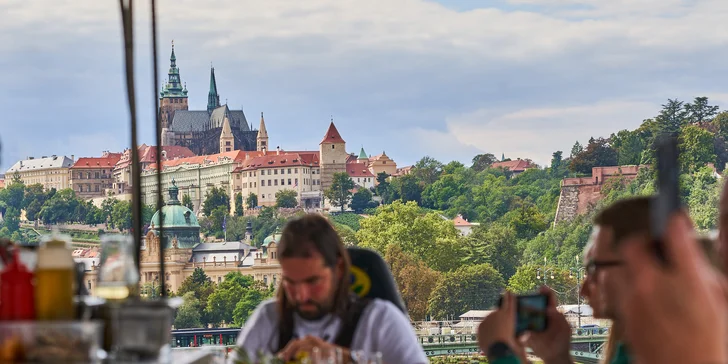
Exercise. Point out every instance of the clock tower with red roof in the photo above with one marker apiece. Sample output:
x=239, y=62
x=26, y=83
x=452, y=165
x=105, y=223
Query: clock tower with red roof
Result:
x=333, y=155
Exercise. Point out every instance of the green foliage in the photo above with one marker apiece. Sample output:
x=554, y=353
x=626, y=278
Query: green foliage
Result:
x=188, y=313
x=597, y=153
x=472, y=287
x=214, y=198
x=201, y=287
x=362, y=200
x=530, y=277
x=495, y=244
x=696, y=147
x=187, y=202
x=251, y=201
x=426, y=235
x=239, y=204
x=349, y=219
x=286, y=199
x=415, y=280
x=483, y=161
x=339, y=193
x=232, y=299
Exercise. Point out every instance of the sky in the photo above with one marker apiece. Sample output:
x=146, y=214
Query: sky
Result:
x=450, y=79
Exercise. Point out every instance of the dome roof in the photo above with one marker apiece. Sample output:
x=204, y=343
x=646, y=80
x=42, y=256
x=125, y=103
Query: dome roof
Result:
x=271, y=238
x=176, y=216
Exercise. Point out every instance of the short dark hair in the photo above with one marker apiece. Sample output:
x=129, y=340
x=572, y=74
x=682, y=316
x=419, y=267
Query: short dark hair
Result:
x=626, y=217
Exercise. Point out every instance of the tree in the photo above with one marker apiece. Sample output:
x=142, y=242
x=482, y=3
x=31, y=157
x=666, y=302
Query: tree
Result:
x=696, y=147
x=187, y=202
x=672, y=117
x=107, y=207
x=251, y=201
x=201, y=286
x=427, y=170
x=188, y=313
x=415, y=280
x=286, y=199
x=60, y=208
x=426, y=235
x=361, y=200
x=11, y=220
x=224, y=304
x=33, y=201
x=629, y=146
x=214, y=198
x=473, y=287
x=249, y=302
x=556, y=159
x=495, y=244
x=339, y=193
x=576, y=149
x=409, y=188
x=700, y=111
x=384, y=188
x=597, y=153
x=239, y=204
x=529, y=277
x=720, y=124
x=121, y=215
x=347, y=234
x=483, y=161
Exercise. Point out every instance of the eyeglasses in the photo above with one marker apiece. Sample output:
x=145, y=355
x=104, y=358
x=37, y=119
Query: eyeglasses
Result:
x=593, y=266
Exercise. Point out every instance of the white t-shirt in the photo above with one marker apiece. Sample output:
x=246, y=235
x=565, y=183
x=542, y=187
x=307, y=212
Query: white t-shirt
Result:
x=381, y=328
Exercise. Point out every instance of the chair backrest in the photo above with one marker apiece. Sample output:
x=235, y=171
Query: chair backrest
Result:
x=371, y=277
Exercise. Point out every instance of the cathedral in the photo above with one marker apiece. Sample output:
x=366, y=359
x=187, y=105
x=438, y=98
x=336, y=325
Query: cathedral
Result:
x=215, y=130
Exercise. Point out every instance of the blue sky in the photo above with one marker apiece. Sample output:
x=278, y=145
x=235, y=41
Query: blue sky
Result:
x=449, y=79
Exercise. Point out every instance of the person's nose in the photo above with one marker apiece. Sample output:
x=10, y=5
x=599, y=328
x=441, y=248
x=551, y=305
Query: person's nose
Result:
x=584, y=289
x=302, y=293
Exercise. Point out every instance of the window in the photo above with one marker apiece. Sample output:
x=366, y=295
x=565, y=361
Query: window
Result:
x=283, y=182
x=89, y=285
x=289, y=171
x=97, y=188
x=283, y=171
x=333, y=146
x=96, y=174
x=227, y=143
x=295, y=170
x=265, y=280
x=262, y=196
x=275, y=182
x=275, y=171
x=219, y=279
x=269, y=182
x=237, y=176
x=289, y=181
x=269, y=172
x=296, y=181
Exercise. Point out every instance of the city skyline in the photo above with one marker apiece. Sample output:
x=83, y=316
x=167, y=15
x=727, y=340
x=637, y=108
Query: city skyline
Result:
x=412, y=78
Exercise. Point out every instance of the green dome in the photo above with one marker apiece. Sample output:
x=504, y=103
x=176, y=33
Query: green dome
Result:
x=275, y=237
x=176, y=216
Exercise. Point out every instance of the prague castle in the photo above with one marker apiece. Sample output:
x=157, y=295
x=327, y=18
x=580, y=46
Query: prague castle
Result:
x=215, y=130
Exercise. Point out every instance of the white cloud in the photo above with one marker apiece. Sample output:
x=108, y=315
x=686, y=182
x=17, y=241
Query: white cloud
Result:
x=535, y=133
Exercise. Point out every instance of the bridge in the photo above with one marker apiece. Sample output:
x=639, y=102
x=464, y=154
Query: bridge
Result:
x=587, y=344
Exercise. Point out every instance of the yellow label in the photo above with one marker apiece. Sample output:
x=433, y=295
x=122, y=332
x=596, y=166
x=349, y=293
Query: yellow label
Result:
x=360, y=282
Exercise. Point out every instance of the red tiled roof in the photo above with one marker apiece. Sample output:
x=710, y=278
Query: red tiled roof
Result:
x=403, y=171
x=238, y=156
x=358, y=170
x=149, y=154
x=332, y=135
x=460, y=221
x=352, y=158
x=108, y=161
x=379, y=156
x=518, y=165
x=284, y=159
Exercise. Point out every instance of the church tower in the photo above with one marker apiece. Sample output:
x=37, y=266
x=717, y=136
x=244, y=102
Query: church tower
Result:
x=173, y=97
x=333, y=155
x=227, y=140
x=262, y=139
x=213, y=99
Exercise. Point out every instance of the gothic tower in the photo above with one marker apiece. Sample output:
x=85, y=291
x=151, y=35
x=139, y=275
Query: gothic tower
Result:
x=333, y=155
x=213, y=99
x=262, y=139
x=173, y=97
x=227, y=140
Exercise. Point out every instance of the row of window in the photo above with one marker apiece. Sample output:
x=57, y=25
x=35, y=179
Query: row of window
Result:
x=96, y=175
x=97, y=188
x=282, y=171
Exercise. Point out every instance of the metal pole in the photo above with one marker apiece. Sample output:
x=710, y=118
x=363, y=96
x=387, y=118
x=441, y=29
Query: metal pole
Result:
x=158, y=122
x=578, y=294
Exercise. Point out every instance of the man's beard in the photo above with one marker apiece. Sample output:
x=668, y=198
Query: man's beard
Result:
x=318, y=314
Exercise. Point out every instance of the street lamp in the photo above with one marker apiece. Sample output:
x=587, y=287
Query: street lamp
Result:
x=544, y=272
x=580, y=273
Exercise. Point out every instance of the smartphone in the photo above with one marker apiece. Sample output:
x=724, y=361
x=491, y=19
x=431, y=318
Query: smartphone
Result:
x=667, y=200
x=530, y=313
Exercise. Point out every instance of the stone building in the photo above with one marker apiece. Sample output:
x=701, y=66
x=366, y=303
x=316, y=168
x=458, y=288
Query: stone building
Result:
x=201, y=130
x=92, y=176
x=580, y=194
x=147, y=156
x=51, y=172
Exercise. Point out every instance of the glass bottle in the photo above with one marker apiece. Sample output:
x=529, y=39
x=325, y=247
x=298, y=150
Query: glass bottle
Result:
x=54, y=279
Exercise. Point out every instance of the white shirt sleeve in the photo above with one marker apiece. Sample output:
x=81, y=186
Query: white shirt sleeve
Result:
x=387, y=330
x=257, y=332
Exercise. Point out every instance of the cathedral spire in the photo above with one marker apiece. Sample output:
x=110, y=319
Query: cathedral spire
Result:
x=173, y=88
x=213, y=99
x=262, y=140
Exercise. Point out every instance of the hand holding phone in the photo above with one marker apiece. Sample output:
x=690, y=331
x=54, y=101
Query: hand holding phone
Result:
x=530, y=313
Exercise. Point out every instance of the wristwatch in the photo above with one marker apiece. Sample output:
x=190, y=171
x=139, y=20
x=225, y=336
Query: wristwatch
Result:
x=498, y=350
